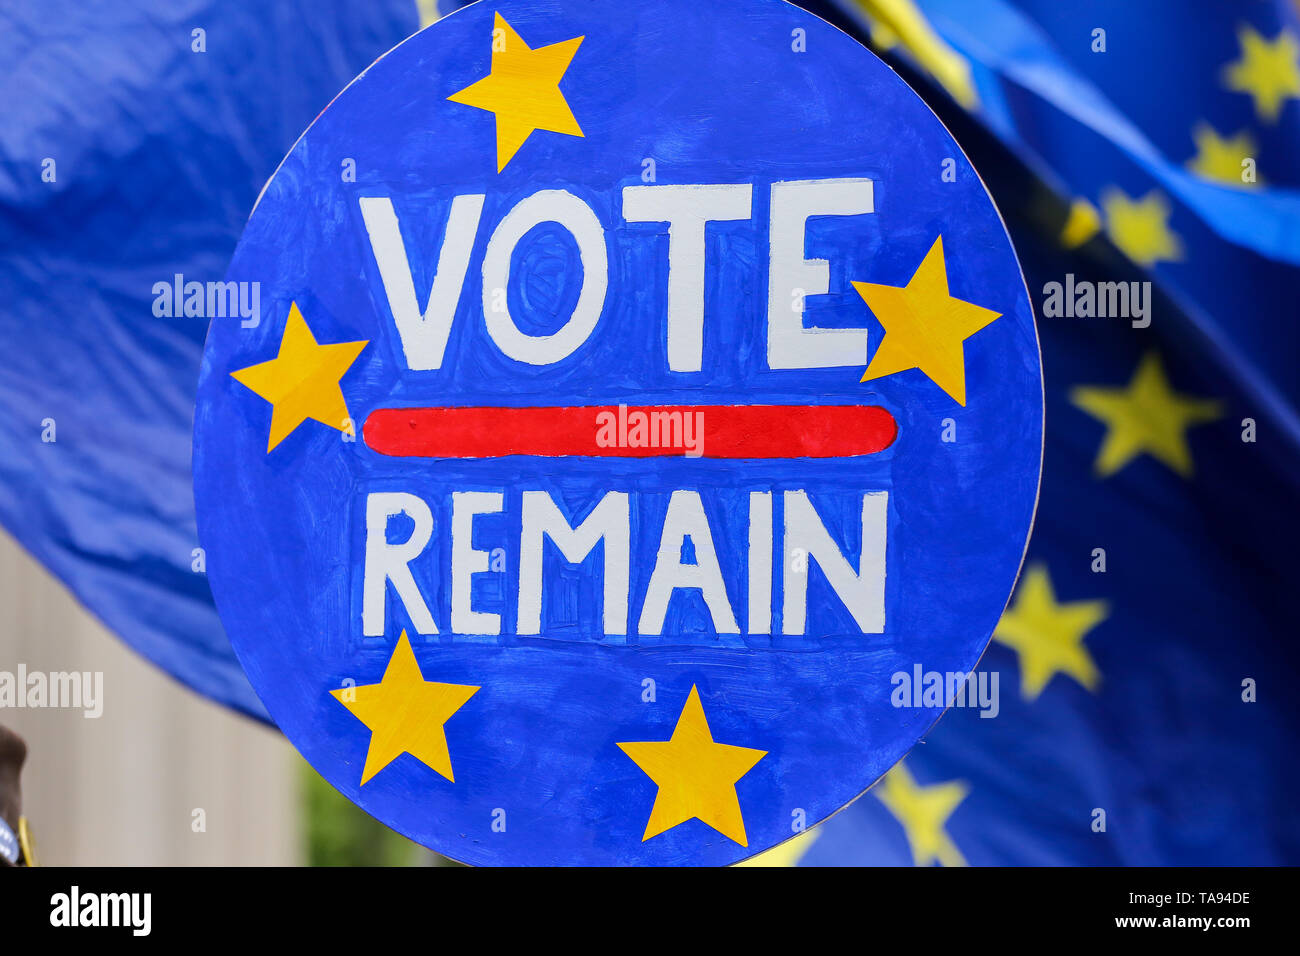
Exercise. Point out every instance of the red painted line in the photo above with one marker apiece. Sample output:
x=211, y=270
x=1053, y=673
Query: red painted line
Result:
x=715, y=431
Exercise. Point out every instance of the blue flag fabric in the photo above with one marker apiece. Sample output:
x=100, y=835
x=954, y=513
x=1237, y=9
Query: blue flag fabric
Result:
x=1141, y=116
x=1144, y=716
x=136, y=137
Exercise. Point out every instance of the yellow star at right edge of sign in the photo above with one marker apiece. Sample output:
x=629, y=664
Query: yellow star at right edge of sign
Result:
x=695, y=774
x=1268, y=71
x=1047, y=635
x=523, y=90
x=405, y=713
x=923, y=811
x=1146, y=416
x=925, y=327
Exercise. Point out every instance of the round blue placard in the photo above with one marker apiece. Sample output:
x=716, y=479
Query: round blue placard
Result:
x=643, y=402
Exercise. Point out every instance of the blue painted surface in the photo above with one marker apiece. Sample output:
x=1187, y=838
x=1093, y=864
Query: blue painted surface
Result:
x=713, y=93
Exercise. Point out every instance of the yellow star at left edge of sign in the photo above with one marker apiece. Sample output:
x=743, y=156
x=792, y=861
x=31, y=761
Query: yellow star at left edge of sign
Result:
x=405, y=713
x=523, y=89
x=925, y=327
x=695, y=774
x=302, y=381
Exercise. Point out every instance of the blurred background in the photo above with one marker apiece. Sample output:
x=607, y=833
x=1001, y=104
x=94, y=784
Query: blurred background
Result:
x=122, y=789
x=1147, y=659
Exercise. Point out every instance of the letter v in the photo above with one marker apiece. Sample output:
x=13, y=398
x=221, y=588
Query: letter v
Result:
x=423, y=336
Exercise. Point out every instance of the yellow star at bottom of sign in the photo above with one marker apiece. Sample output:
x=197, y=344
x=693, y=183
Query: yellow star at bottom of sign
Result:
x=405, y=713
x=923, y=811
x=302, y=381
x=696, y=775
x=1145, y=416
x=925, y=327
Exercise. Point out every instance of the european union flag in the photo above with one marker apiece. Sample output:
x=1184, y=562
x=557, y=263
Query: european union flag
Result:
x=1144, y=717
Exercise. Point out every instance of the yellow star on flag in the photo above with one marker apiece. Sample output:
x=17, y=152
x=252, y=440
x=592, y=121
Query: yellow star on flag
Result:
x=1145, y=416
x=302, y=381
x=523, y=90
x=405, y=713
x=696, y=776
x=1140, y=227
x=924, y=326
x=1267, y=71
x=892, y=22
x=1082, y=224
x=788, y=853
x=923, y=812
x=1219, y=158
x=1047, y=635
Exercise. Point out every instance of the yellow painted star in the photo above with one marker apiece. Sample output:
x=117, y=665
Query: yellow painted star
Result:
x=788, y=853
x=1219, y=158
x=923, y=812
x=405, y=713
x=1268, y=71
x=924, y=326
x=1047, y=635
x=523, y=90
x=1140, y=227
x=302, y=381
x=1145, y=416
x=696, y=776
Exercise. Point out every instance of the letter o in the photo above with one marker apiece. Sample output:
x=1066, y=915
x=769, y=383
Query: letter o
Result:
x=562, y=207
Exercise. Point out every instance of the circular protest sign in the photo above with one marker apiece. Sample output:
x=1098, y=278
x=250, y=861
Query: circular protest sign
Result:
x=644, y=411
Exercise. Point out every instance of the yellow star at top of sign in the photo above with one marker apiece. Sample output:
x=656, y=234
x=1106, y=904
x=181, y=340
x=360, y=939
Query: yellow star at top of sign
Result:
x=1219, y=158
x=924, y=326
x=302, y=381
x=1267, y=71
x=1140, y=227
x=405, y=713
x=523, y=90
x=1047, y=635
x=1145, y=416
x=696, y=775
x=923, y=812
